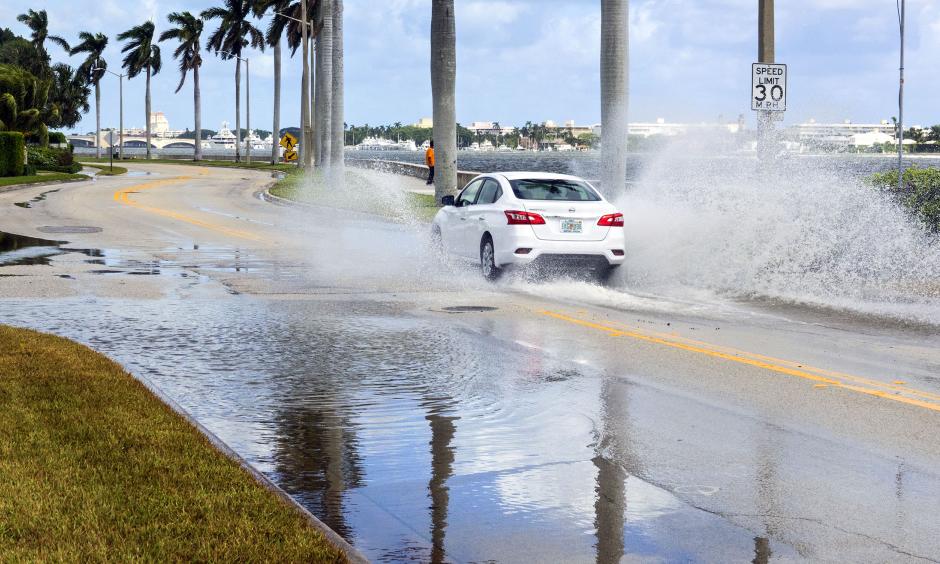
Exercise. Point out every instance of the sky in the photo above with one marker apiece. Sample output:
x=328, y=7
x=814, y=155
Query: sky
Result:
x=535, y=60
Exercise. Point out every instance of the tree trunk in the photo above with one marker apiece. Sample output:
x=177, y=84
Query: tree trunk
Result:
x=197, y=113
x=238, y=110
x=276, y=126
x=614, y=83
x=338, y=142
x=315, y=88
x=97, y=120
x=147, y=109
x=325, y=74
x=443, y=83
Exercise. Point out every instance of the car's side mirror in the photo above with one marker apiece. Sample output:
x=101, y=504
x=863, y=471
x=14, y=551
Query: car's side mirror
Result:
x=447, y=201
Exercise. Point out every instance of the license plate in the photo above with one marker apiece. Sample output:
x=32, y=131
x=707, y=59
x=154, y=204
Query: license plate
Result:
x=571, y=226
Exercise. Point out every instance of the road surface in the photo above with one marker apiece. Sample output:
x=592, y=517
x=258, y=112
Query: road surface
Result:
x=426, y=415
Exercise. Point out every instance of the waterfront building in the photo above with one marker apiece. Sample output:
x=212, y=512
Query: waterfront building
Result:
x=425, y=123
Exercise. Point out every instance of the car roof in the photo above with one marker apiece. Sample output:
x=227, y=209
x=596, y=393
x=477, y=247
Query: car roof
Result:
x=519, y=175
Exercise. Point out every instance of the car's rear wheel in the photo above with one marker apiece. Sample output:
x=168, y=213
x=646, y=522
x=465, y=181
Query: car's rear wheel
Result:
x=605, y=273
x=488, y=259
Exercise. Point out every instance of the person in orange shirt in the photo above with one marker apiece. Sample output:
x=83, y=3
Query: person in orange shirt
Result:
x=429, y=160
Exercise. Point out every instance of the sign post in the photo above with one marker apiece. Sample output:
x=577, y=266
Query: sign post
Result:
x=111, y=148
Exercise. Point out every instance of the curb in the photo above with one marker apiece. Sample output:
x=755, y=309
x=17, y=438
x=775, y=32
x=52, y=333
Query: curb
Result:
x=351, y=553
x=14, y=187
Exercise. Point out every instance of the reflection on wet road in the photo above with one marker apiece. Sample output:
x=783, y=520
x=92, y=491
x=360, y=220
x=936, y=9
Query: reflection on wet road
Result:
x=428, y=417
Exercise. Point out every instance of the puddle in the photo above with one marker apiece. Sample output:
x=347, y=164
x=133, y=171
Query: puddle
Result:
x=37, y=199
x=17, y=250
x=137, y=173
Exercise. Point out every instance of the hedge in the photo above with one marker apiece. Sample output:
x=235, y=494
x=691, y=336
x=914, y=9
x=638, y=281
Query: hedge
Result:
x=919, y=192
x=52, y=159
x=11, y=153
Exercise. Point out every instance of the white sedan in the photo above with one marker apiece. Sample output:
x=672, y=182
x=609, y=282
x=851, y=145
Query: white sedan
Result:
x=523, y=218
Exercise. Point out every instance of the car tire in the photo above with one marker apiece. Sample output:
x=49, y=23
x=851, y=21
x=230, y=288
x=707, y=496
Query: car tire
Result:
x=488, y=259
x=605, y=273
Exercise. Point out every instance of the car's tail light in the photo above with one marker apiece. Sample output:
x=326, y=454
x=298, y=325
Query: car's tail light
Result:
x=617, y=252
x=612, y=220
x=523, y=251
x=524, y=218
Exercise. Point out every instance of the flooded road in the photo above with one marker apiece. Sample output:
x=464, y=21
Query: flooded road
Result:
x=427, y=416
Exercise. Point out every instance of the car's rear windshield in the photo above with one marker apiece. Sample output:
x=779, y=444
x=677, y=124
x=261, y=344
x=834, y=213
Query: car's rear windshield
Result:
x=553, y=189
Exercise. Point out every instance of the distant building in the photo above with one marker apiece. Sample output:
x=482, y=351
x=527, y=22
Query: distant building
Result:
x=489, y=128
x=425, y=123
x=812, y=131
x=160, y=126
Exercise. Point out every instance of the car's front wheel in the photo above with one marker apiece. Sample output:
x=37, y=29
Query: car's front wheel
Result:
x=488, y=259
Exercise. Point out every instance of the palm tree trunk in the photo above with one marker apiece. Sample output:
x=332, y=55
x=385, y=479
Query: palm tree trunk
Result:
x=315, y=88
x=97, y=120
x=197, y=112
x=147, y=109
x=238, y=110
x=614, y=100
x=305, y=139
x=443, y=84
x=325, y=58
x=338, y=142
x=276, y=126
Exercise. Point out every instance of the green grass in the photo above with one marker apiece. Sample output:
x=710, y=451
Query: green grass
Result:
x=41, y=177
x=106, y=170
x=93, y=467
x=360, y=194
x=261, y=164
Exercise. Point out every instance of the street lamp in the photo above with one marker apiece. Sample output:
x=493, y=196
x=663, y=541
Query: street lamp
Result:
x=247, y=108
x=121, y=96
x=307, y=139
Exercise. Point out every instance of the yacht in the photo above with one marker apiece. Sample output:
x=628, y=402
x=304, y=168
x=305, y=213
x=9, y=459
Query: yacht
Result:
x=224, y=139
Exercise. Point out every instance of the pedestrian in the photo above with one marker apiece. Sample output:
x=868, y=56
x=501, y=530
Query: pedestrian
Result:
x=429, y=160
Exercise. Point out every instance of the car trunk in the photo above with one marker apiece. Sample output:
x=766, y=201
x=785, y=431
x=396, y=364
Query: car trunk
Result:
x=569, y=221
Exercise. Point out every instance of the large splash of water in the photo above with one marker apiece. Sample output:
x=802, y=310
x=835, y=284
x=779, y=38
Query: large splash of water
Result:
x=798, y=229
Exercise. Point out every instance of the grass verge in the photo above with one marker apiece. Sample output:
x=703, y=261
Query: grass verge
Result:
x=106, y=169
x=94, y=467
x=41, y=177
x=360, y=195
x=255, y=165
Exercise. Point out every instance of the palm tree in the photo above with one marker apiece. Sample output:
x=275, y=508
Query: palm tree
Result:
x=443, y=83
x=324, y=82
x=38, y=23
x=142, y=55
x=614, y=78
x=68, y=96
x=94, y=46
x=273, y=38
x=188, y=31
x=338, y=142
x=235, y=32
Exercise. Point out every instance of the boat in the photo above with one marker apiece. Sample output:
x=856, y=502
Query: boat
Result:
x=224, y=139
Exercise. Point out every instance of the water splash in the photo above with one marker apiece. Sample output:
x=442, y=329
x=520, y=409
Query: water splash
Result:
x=799, y=229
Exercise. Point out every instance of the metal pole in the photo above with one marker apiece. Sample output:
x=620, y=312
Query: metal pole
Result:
x=901, y=105
x=121, y=122
x=248, y=111
x=306, y=140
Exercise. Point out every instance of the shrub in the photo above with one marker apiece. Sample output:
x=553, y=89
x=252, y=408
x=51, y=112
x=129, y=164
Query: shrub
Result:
x=29, y=169
x=57, y=137
x=53, y=159
x=11, y=153
x=919, y=192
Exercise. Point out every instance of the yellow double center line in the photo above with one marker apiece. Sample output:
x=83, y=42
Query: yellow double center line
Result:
x=822, y=377
x=123, y=196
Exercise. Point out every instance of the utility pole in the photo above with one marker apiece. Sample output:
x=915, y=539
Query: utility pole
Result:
x=901, y=104
x=765, y=54
x=248, y=111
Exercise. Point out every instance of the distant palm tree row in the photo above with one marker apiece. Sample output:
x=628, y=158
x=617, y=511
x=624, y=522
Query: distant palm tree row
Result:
x=236, y=32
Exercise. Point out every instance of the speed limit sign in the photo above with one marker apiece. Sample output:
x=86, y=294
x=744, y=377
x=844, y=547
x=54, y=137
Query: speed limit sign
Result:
x=768, y=87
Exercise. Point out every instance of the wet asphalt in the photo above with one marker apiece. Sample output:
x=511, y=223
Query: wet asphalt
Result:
x=569, y=423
